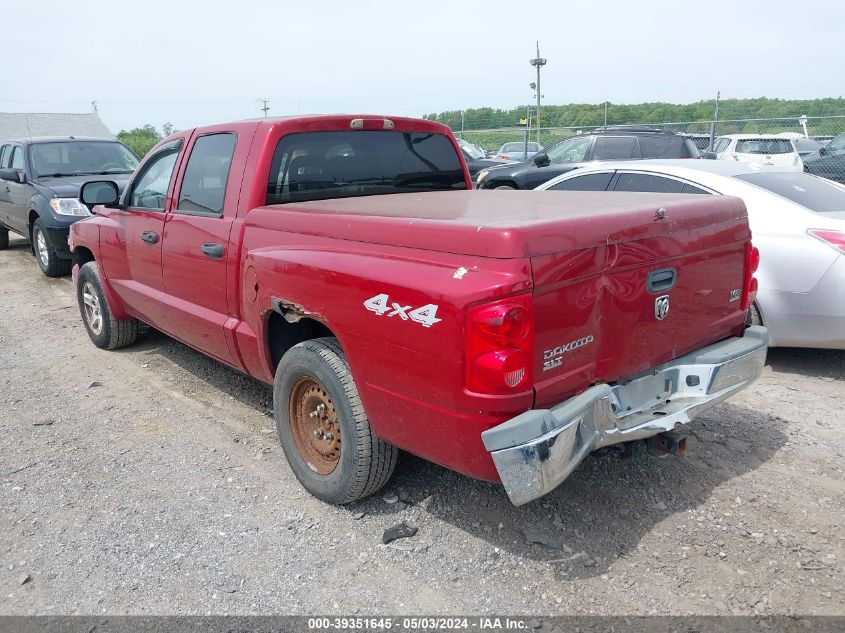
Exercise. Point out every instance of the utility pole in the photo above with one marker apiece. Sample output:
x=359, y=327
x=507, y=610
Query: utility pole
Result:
x=94, y=106
x=462, y=125
x=538, y=62
x=264, y=107
x=713, y=124
x=605, y=114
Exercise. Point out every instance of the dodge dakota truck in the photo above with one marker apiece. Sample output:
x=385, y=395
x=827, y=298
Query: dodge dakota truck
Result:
x=346, y=261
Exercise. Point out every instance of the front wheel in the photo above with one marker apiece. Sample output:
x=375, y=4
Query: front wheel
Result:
x=104, y=330
x=323, y=428
x=48, y=260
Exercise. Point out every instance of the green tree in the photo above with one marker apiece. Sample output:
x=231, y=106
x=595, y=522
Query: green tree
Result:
x=140, y=139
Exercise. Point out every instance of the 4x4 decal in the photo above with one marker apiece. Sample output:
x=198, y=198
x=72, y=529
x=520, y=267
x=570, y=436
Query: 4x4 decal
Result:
x=424, y=315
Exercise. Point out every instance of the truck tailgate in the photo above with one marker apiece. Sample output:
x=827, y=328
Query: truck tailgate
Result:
x=666, y=280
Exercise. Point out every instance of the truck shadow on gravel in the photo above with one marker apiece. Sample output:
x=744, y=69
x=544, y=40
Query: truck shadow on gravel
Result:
x=605, y=507
x=596, y=516
x=229, y=383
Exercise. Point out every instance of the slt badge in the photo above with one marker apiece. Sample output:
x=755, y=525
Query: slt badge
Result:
x=661, y=307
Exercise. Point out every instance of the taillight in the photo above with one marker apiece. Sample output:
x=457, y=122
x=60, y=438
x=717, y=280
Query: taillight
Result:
x=836, y=239
x=504, y=157
x=500, y=341
x=749, y=283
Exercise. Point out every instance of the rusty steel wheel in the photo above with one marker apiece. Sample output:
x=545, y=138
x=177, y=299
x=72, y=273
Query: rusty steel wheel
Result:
x=316, y=407
x=314, y=425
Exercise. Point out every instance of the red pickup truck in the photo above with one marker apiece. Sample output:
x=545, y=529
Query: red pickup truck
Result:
x=347, y=261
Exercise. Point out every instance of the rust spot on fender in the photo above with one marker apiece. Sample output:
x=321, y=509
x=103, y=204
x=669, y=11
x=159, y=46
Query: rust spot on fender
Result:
x=293, y=312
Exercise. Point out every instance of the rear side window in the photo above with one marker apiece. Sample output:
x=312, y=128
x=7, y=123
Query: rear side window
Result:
x=204, y=183
x=322, y=165
x=616, y=148
x=3, y=154
x=688, y=188
x=764, y=146
x=667, y=147
x=587, y=182
x=647, y=182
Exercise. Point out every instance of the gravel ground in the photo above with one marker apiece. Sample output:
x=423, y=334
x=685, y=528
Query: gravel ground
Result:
x=150, y=480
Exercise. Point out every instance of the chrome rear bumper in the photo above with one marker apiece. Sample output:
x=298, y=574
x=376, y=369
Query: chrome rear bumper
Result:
x=535, y=451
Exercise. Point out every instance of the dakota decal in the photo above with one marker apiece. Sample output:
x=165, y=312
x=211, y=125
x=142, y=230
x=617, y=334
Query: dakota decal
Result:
x=553, y=358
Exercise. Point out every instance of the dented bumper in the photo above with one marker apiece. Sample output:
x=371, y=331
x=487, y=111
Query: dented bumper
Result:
x=535, y=451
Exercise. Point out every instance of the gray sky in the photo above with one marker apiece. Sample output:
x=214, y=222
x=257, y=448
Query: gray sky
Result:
x=193, y=63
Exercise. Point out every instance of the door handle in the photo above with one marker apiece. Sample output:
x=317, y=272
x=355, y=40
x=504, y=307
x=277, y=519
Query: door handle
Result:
x=212, y=250
x=150, y=237
x=661, y=280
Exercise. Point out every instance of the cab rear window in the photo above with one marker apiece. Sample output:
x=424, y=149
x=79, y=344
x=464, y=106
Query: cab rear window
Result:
x=323, y=165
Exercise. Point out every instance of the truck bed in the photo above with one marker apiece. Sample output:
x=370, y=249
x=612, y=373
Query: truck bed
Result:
x=501, y=224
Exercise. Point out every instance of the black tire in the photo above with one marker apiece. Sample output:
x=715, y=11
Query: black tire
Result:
x=48, y=261
x=754, y=315
x=365, y=462
x=110, y=333
x=4, y=238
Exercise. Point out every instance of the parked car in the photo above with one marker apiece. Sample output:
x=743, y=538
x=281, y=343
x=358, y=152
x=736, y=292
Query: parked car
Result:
x=476, y=159
x=757, y=149
x=600, y=145
x=342, y=259
x=802, y=144
x=701, y=141
x=824, y=139
x=39, y=187
x=828, y=161
x=798, y=223
x=516, y=151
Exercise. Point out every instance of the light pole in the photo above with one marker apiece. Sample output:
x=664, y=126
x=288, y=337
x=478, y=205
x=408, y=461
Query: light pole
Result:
x=538, y=62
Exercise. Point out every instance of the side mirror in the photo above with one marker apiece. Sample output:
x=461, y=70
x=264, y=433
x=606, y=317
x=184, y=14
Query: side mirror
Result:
x=541, y=159
x=99, y=192
x=822, y=151
x=709, y=155
x=12, y=175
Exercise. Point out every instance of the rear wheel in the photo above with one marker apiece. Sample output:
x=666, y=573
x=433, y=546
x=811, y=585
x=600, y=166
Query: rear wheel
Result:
x=323, y=428
x=4, y=238
x=504, y=187
x=104, y=330
x=48, y=260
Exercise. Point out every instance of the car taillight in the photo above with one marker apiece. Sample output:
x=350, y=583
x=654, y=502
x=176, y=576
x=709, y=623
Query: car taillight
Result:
x=836, y=239
x=500, y=342
x=749, y=283
x=504, y=157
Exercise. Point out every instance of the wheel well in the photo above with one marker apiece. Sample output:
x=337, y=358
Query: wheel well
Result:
x=282, y=335
x=82, y=256
x=504, y=183
x=33, y=216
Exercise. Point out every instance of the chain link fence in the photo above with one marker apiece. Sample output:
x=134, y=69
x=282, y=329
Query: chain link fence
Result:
x=810, y=137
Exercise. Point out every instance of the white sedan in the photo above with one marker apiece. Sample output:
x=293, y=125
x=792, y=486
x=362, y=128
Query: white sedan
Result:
x=797, y=221
x=759, y=149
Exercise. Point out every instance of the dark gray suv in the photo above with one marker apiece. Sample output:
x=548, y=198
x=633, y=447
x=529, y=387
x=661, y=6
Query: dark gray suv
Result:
x=40, y=180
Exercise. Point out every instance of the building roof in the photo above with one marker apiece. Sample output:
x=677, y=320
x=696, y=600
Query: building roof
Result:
x=22, y=125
